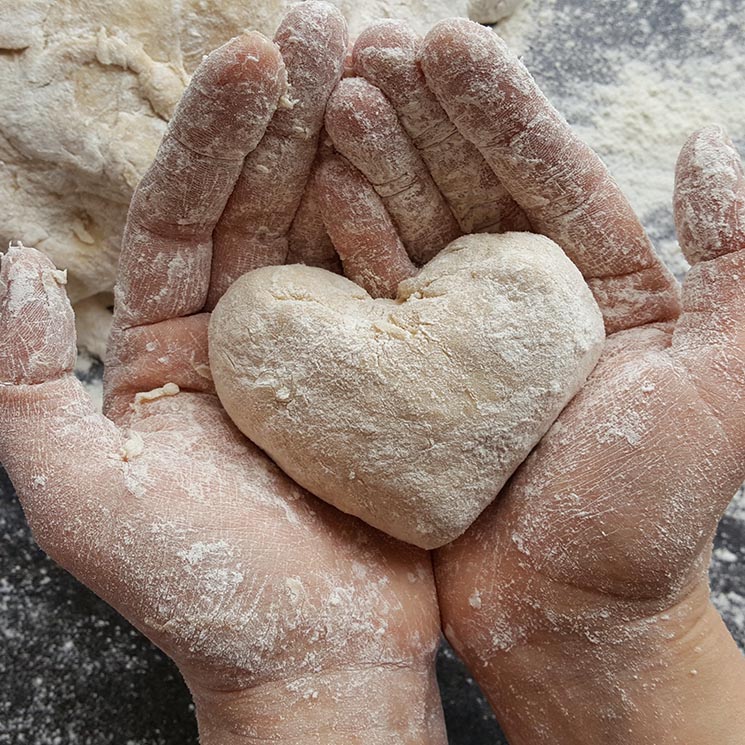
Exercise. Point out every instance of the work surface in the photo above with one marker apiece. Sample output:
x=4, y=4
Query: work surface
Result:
x=634, y=78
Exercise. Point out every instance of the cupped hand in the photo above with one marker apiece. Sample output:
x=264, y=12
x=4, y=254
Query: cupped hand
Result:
x=289, y=620
x=585, y=580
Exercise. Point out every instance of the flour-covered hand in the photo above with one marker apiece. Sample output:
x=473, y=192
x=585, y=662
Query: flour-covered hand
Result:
x=290, y=621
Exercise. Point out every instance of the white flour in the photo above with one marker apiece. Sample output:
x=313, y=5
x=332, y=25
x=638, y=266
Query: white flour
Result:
x=635, y=109
x=671, y=68
x=636, y=103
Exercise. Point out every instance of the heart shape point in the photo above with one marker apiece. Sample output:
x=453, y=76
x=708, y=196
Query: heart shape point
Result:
x=409, y=413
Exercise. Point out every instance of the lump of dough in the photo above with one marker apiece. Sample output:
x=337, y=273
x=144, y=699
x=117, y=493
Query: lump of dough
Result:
x=86, y=90
x=409, y=413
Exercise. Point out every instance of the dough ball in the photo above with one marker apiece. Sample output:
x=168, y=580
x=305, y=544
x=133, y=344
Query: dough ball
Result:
x=409, y=413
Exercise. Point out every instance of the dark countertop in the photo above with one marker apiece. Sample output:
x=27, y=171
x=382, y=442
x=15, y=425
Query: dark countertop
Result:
x=73, y=672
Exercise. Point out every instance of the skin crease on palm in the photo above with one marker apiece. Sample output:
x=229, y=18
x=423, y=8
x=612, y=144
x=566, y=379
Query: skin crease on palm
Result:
x=290, y=621
x=579, y=598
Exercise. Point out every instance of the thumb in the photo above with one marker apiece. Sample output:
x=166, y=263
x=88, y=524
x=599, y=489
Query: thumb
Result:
x=61, y=455
x=709, y=338
x=37, y=325
x=709, y=196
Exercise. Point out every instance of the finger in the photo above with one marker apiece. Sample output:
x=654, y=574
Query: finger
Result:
x=365, y=129
x=710, y=218
x=60, y=454
x=164, y=268
x=385, y=54
x=253, y=229
x=348, y=71
x=361, y=229
x=564, y=188
x=32, y=349
x=309, y=240
x=709, y=196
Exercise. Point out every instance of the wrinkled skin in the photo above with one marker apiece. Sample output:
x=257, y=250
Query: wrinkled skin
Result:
x=591, y=564
x=289, y=620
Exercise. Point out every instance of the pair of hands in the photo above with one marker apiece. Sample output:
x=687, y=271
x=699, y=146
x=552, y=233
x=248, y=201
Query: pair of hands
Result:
x=289, y=620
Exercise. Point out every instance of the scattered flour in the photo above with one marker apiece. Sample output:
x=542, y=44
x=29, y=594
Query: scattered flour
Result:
x=642, y=121
x=732, y=607
x=199, y=551
x=725, y=555
x=637, y=102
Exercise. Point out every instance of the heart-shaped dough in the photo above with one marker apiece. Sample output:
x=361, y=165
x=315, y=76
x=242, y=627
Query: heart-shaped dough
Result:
x=409, y=413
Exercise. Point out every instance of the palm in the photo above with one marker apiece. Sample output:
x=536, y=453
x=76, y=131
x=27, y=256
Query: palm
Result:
x=237, y=573
x=618, y=501
x=615, y=511
x=634, y=475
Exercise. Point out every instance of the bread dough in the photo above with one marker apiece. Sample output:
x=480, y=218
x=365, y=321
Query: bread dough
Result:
x=93, y=323
x=86, y=90
x=409, y=413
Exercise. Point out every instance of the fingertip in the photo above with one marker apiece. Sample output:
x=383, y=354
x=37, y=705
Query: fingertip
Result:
x=469, y=69
x=386, y=32
x=318, y=9
x=453, y=34
x=702, y=145
x=37, y=326
x=381, y=44
x=16, y=250
x=703, y=149
x=241, y=60
x=316, y=34
x=709, y=197
x=340, y=111
x=711, y=132
x=346, y=94
x=23, y=261
x=355, y=111
x=459, y=48
x=456, y=29
x=313, y=13
x=231, y=98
